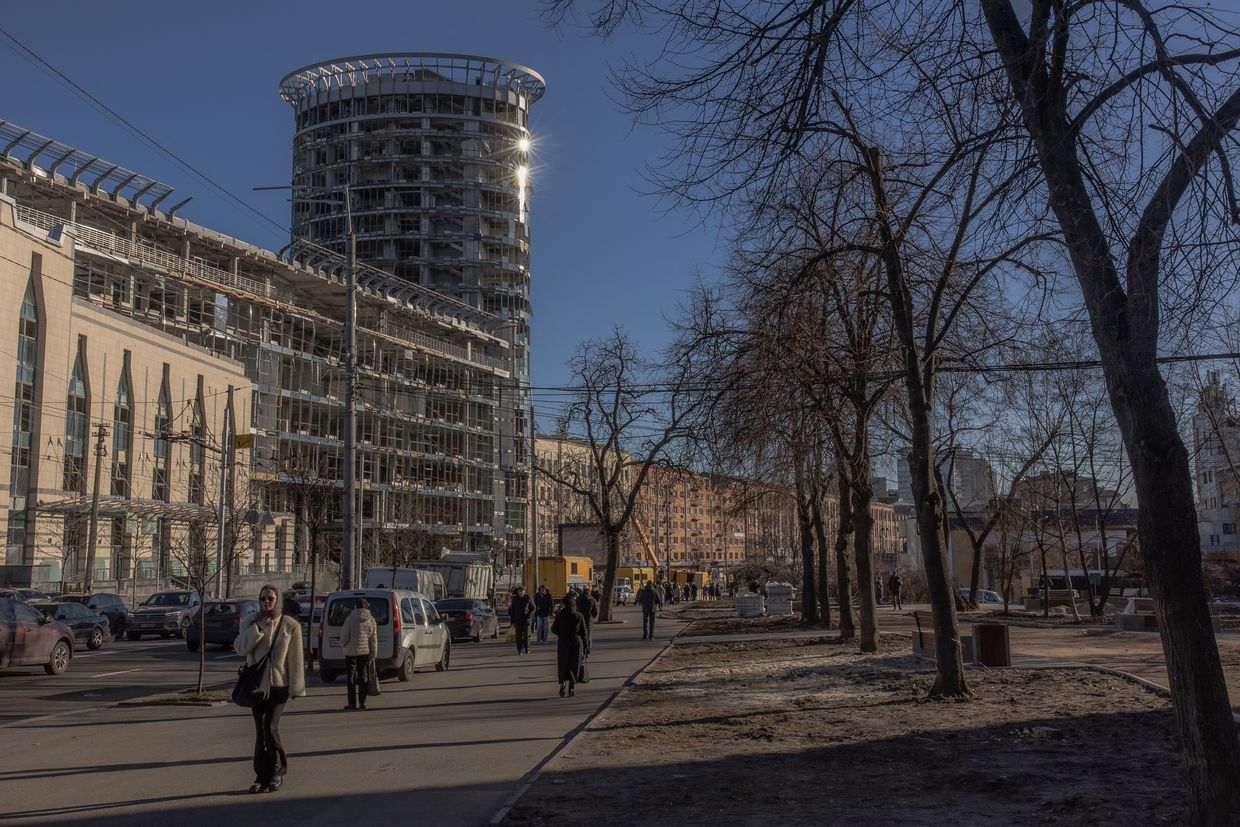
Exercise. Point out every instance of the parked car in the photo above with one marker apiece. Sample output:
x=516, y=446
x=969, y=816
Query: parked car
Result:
x=33, y=595
x=87, y=625
x=983, y=596
x=105, y=603
x=28, y=638
x=12, y=594
x=411, y=633
x=221, y=622
x=623, y=594
x=163, y=613
x=468, y=618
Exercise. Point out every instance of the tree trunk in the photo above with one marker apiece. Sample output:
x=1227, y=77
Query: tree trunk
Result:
x=848, y=629
x=609, y=573
x=1171, y=547
x=1125, y=328
x=863, y=528
x=824, y=560
x=975, y=573
x=809, y=599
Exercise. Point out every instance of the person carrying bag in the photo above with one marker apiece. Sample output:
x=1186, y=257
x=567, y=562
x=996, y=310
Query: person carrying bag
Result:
x=274, y=672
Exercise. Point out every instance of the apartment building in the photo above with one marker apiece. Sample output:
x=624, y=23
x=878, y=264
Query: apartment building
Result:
x=436, y=451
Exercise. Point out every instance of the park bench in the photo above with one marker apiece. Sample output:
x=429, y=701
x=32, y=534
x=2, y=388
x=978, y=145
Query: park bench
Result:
x=1054, y=597
x=923, y=638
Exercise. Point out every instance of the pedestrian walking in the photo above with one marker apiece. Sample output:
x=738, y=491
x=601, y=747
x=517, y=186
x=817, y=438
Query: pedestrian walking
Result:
x=544, y=605
x=588, y=607
x=878, y=589
x=650, y=601
x=359, y=637
x=569, y=628
x=272, y=634
x=895, y=584
x=520, y=610
x=693, y=591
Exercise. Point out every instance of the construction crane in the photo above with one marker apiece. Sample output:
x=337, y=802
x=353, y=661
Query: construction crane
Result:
x=651, y=555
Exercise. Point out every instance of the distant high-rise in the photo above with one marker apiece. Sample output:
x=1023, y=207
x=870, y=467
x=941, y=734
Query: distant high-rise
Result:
x=435, y=152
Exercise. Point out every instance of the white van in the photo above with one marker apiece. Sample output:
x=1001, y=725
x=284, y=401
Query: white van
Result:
x=412, y=635
x=423, y=581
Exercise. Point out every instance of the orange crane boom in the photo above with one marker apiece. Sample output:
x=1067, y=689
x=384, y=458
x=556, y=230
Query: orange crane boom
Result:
x=646, y=544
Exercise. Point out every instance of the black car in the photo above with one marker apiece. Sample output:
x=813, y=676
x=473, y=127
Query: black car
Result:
x=222, y=622
x=110, y=605
x=12, y=594
x=34, y=595
x=468, y=618
x=87, y=626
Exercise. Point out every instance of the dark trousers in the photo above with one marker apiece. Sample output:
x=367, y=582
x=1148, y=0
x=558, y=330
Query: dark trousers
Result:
x=357, y=667
x=647, y=623
x=589, y=636
x=270, y=760
x=523, y=636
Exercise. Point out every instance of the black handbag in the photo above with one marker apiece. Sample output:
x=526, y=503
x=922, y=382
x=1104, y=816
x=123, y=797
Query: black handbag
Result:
x=254, y=681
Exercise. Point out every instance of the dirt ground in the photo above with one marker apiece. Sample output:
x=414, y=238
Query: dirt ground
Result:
x=809, y=732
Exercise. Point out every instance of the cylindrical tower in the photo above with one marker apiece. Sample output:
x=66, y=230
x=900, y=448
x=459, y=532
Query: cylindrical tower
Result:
x=435, y=150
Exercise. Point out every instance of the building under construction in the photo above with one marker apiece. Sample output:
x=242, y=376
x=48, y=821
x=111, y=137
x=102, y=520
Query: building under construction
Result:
x=439, y=423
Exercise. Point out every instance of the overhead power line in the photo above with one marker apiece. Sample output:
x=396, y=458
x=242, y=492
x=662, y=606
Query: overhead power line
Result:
x=120, y=119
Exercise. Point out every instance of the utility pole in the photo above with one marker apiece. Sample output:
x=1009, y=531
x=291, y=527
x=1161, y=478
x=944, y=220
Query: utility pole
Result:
x=350, y=410
x=101, y=432
x=226, y=453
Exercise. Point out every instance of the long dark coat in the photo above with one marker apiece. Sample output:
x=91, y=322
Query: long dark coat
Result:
x=569, y=628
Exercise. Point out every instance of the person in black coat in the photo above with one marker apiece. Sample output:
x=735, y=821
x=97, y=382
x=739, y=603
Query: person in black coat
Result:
x=569, y=628
x=588, y=607
x=648, y=598
x=520, y=610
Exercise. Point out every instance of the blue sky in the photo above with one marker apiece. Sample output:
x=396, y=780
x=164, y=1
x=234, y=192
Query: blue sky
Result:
x=201, y=79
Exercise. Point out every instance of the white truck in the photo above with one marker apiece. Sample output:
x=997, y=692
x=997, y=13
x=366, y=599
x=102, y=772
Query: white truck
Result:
x=464, y=574
x=427, y=582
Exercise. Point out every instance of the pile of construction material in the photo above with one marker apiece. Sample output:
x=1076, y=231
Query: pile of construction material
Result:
x=750, y=605
x=779, y=598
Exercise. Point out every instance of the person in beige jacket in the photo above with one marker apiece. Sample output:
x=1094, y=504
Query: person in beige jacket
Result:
x=359, y=637
x=271, y=632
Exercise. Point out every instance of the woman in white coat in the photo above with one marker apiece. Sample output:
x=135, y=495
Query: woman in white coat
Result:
x=271, y=631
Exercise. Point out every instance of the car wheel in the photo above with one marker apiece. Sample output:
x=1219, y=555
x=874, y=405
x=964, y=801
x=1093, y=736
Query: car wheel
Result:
x=95, y=640
x=191, y=645
x=405, y=674
x=478, y=637
x=328, y=675
x=132, y=636
x=58, y=662
x=442, y=666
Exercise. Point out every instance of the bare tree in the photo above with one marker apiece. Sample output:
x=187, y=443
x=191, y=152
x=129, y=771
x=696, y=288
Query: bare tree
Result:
x=627, y=412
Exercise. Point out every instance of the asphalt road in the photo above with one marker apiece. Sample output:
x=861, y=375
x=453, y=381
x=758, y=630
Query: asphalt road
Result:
x=119, y=671
x=445, y=749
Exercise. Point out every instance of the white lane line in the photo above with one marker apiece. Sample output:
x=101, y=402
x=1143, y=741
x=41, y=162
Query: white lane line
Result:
x=98, y=653
x=110, y=674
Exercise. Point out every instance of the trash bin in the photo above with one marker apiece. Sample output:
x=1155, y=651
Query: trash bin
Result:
x=992, y=644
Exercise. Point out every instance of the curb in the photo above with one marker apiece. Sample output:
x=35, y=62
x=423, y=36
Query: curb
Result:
x=533, y=775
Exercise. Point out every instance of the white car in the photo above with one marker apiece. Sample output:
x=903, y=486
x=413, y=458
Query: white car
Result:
x=983, y=596
x=411, y=633
x=623, y=595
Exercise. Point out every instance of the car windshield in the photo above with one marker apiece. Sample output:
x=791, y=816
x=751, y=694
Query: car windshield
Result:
x=456, y=605
x=74, y=598
x=167, y=599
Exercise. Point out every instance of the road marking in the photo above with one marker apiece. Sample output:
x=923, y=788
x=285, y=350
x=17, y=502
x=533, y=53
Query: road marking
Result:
x=110, y=674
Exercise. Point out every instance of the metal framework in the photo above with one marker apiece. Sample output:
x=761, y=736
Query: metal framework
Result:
x=412, y=66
